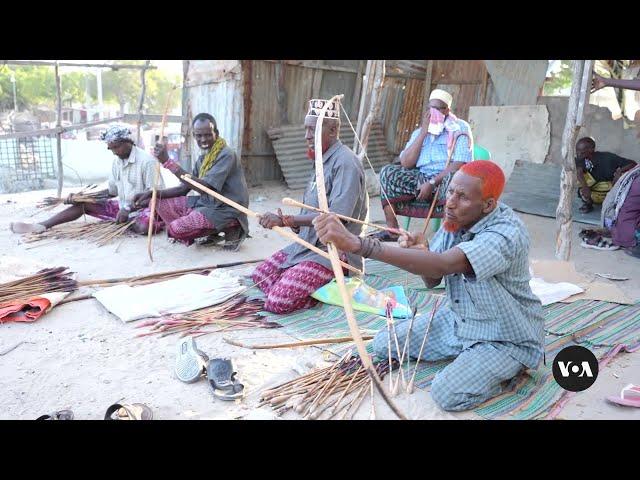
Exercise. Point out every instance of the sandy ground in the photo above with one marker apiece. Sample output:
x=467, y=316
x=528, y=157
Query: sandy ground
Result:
x=81, y=357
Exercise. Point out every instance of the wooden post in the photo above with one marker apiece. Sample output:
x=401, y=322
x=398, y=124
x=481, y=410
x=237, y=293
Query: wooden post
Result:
x=364, y=97
x=59, y=132
x=485, y=84
x=281, y=94
x=585, y=89
x=427, y=87
x=185, y=130
x=142, y=92
x=377, y=72
x=568, y=175
x=358, y=88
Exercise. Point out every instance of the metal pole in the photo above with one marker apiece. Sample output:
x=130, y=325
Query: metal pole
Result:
x=99, y=86
x=59, y=134
x=141, y=102
x=15, y=96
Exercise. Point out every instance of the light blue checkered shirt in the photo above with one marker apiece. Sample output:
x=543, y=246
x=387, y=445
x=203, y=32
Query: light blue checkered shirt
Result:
x=497, y=304
x=433, y=155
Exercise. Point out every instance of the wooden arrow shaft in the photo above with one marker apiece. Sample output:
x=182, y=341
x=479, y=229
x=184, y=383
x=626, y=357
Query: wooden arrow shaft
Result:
x=294, y=203
x=284, y=232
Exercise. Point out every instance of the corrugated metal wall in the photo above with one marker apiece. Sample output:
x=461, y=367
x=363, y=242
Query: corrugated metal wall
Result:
x=301, y=83
x=244, y=96
x=516, y=82
x=215, y=87
x=404, y=93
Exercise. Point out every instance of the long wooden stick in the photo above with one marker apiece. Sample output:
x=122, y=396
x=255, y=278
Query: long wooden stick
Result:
x=285, y=233
x=435, y=194
x=424, y=341
x=318, y=341
x=109, y=281
x=335, y=265
x=294, y=203
x=154, y=191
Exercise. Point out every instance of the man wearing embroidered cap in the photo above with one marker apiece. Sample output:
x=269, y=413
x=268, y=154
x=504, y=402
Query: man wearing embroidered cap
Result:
x=292, y=274
x=406, y=187
x=132, y=172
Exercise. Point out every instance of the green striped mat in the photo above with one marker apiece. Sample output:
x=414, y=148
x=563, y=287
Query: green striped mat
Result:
x=600, y=326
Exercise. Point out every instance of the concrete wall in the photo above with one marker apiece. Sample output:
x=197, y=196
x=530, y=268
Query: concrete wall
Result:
x=609, y=134
x=511, y=133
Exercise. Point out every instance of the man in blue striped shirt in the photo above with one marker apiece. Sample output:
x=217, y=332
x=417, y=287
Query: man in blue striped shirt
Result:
x=490, y=324
x=422, y=163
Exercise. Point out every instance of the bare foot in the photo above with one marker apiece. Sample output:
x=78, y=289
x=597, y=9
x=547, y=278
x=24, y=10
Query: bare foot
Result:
x=20, y=227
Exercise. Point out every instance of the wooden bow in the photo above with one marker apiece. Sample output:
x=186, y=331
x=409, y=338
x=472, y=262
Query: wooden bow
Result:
x=337, y=269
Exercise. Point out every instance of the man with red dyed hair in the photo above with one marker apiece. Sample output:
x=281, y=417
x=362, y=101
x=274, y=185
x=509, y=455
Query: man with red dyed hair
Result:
x=490, y=323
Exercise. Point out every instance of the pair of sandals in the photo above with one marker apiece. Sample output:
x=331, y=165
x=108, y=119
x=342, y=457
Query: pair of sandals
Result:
x=595, y=239
x=192, y=364
x=117, y=411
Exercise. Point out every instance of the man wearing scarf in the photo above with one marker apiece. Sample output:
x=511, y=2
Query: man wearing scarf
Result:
x=132, y=173
x=422, y=163
x=202, y=216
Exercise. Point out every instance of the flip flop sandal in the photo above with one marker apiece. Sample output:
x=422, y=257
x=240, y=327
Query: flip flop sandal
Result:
x=214, y=239
x=133, y=411
x=222, y=380
x=586, y=234
x=190, y=362
x=629, y=396
x=59, y=415
x=601, y=244
x=384, y=236
x=233, y=244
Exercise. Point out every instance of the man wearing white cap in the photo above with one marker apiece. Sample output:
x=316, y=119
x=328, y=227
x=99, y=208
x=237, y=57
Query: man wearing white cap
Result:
x=410, y=186
x=292, y=274
x=132, y=172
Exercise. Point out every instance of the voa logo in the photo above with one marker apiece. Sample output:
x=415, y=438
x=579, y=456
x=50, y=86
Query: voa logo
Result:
x=575, y=368
x=582, y=370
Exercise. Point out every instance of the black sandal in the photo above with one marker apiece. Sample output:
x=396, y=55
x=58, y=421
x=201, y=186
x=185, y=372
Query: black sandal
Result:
x=233, y=239
x=59, y=415
x=221, y=377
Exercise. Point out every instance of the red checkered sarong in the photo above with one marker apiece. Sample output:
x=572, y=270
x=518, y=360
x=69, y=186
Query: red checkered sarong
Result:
x=289, y=289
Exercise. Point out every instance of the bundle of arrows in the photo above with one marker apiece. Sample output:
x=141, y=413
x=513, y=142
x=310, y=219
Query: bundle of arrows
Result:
x=45, y=281
x=336, y=391
x=238, y=313
x=49, y=203
x=100, y=233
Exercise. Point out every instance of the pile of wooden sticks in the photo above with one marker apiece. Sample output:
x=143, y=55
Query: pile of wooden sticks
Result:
x=100, y=233
x=238, y=313
x=45, y=281
x=333, y=392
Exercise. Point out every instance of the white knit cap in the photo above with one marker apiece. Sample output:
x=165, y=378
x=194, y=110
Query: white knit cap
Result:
x=442, y=95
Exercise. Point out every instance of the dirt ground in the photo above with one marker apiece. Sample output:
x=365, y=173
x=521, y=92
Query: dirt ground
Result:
x=83, y=358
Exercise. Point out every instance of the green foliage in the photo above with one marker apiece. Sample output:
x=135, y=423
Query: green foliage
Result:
x=560, y=80
x=36, y=87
